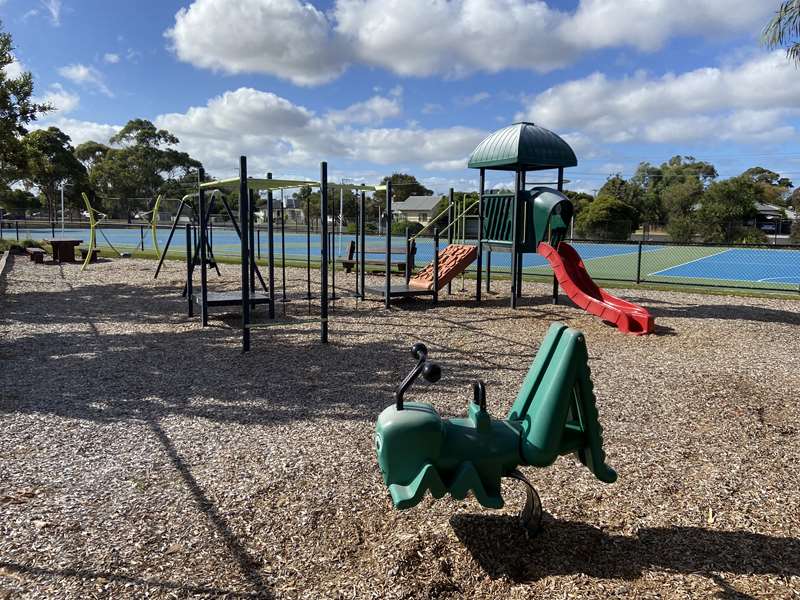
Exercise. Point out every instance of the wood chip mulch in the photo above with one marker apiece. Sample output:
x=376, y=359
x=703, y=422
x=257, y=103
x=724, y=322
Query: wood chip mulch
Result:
x=142, y=456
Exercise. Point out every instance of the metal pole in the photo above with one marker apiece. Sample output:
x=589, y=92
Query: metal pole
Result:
x=189, y=246
x=62, y=211
x=169, y=238
x=488, y=270
x=363, y=234
x=450, y=226
x=388, y=287
x=639, y=265
x=141, y=237
x=435, y=264
x=514, y=262
x=203, y=257
x=16, y=227
x=283, y=251
x=258, y=241
x=332, y=258
x=271, y=250
x=308, y=248
x=561, y=189
x=323, y=291
x=357, y=247
x=479, y=266
x=244, y=216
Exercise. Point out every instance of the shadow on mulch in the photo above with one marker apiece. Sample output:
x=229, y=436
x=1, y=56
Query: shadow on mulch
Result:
x=502, y=549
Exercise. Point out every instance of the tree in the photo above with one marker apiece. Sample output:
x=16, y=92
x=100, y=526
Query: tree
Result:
x=725, y=208
x=580, y=200
x=774, y=188
x=783, y=30
x=403, y=186
x=51, y=162
x=143, y=165
x=17, y=202
x=17, y=110
x=606, y=218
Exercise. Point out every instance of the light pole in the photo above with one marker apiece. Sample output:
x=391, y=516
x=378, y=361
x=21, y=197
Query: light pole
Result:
x=63, y=185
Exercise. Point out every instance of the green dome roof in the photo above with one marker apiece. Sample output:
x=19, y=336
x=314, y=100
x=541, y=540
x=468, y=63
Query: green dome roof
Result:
x=522, y=146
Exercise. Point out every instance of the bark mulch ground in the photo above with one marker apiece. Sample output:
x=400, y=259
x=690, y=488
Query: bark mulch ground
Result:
x=144, y=456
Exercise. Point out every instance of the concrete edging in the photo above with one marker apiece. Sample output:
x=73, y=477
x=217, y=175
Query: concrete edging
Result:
x=5, y=264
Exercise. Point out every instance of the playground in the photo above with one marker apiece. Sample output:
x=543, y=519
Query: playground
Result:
x=143, y=455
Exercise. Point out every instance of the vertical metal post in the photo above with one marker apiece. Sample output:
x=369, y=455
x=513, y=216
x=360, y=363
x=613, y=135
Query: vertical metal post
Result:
x=323, y=241
x=488, y=269
x=271, y=250
x=332, y=258
x=388, y=287
x=141, y=237
x=639, y=265
x=435, y=264
x=258, y=241
x=514, y=261
x=244, y=227
x=52, y=230
x=362, y=230
x=308, y=247
x=189, y=247
x=357, y=249
x=203, y=256
x=16, y=228
x=479, y=266
x=450, y=226
x=250, y=233
x=283, y=252
x=408, y=256
x=560, y=189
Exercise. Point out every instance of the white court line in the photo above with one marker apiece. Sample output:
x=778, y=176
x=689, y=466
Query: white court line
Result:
x=776, y=278
x=633, y=252
x=690, y=262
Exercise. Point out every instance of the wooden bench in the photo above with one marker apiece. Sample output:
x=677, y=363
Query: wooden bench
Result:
x=36, y=255
x=349, y=260
x=95, y=254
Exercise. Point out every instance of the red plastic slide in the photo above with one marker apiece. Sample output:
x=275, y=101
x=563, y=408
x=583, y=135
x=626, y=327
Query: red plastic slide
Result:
x=583, y=291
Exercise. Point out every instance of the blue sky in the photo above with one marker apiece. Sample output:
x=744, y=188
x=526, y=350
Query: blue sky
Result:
x=374, y=86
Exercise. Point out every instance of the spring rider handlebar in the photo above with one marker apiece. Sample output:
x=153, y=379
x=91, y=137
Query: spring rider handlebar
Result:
x=554, y=414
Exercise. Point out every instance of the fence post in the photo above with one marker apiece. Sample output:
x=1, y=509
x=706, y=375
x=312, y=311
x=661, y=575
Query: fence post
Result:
x=52, y=230
x=639, y=265
x=16, y=227
x=141, y=237
x=258, y=239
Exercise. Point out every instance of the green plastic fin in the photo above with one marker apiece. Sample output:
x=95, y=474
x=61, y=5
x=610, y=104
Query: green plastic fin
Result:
x=593, y=455
x=466, y=479
x=406, y=496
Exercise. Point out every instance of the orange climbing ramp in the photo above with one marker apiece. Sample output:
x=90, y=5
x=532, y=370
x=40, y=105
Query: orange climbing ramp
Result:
x=453, y=261
x=584, y=292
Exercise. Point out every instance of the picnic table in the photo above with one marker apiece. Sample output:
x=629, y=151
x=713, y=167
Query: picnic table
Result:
x=64, y=250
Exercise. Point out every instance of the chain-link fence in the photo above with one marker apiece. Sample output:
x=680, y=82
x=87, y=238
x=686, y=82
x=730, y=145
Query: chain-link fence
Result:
x=763, y=267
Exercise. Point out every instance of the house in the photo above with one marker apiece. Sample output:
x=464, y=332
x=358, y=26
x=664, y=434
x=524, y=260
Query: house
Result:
x=774, y=219
x=416, y=209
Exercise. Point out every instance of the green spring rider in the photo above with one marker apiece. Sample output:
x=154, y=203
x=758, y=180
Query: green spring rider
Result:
x=554, y=414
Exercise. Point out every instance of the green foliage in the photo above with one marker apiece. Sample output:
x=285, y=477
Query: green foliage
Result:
x=399, y=227
x=783, y=30
x=794, y=235
x=751, y=235
x=129, y=177
x=17, y=202
x=627, y=193
x=580, y=200
x=403, y=186
x=18, y=247
x=51, y=162
x=681, y=228
x=725, y=207
x=606, y=218
x=17, y=111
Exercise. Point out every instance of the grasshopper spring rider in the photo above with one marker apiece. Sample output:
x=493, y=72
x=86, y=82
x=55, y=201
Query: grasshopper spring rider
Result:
x=554, y=414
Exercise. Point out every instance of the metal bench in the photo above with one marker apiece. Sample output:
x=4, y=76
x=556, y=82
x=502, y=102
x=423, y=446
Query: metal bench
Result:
x=36, y=255
x=349, y=260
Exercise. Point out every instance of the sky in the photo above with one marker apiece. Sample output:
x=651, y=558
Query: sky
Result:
x=381, y=86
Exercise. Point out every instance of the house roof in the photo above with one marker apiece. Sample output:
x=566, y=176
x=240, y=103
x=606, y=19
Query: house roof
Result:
x=522, y=147
x=417, y=203
x=772, y=210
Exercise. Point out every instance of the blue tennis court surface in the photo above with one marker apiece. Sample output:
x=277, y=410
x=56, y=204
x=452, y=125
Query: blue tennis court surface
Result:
x=742, y=264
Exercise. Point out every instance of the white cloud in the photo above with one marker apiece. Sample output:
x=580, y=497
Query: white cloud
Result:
x=745, y=102
x=84, y=75
x=430, y=108
x=295, y=41
x=61, y=100
x=447, y=165
x=648, y=25
x=277, y=134
x=80, y=131
x=373, y=111
x=474, y=99
x=111, y=58
x=53, y=8
x=285, y=38
x=14, y=69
